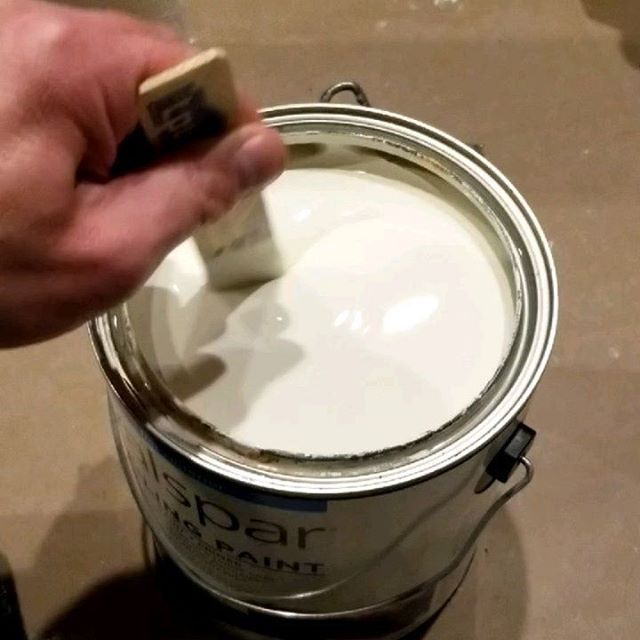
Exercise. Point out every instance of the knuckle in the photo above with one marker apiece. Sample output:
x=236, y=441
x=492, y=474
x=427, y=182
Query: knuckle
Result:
x=50, y=35
x=45, y=39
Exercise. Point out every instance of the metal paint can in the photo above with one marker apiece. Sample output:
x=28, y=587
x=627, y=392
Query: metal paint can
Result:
x=358, y=547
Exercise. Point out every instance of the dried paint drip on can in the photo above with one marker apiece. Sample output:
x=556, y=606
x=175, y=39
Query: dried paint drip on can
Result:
x=318, y=447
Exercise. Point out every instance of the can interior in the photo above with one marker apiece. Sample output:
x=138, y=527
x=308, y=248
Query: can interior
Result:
x=192, y=380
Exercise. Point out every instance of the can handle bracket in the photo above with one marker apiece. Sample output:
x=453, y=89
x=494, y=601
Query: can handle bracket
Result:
x=506, y=460
x=347, y=85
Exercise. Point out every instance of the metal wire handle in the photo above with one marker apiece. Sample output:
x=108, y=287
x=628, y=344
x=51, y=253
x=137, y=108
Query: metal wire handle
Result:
x=348, y=85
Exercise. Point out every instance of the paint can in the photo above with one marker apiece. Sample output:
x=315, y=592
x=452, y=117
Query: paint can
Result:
x=351, y=546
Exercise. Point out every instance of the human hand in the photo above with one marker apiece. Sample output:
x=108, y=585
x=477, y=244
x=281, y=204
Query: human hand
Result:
x=72, y=242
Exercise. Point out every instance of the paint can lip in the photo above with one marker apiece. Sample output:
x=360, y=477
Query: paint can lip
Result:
x=401, y=466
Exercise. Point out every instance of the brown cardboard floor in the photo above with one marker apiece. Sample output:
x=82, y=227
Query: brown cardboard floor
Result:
x=552, y=91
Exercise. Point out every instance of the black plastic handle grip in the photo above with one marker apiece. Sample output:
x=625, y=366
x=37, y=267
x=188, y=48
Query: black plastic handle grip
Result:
x=506, y=460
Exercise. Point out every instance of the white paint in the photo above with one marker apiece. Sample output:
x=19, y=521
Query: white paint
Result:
x=392, y=315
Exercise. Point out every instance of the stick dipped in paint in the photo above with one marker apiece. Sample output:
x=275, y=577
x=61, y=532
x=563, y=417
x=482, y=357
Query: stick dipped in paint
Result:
x=190, y=102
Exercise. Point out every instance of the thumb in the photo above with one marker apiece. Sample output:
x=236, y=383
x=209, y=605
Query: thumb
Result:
x=154, y=210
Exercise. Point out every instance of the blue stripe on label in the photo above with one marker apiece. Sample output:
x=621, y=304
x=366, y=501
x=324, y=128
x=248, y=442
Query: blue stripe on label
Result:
x=228, y=487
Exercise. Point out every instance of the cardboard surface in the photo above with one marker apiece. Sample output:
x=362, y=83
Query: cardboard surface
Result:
x=552, y=91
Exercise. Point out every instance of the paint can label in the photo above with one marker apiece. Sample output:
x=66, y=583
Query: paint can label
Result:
x=248, y=540
x=291, y=551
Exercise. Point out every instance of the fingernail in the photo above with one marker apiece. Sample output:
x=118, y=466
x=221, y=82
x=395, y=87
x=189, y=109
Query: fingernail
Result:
x=258, y=160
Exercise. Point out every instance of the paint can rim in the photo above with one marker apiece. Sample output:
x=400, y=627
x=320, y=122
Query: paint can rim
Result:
x=342, y=476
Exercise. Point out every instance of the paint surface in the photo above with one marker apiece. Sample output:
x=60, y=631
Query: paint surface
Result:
x=368, y=305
